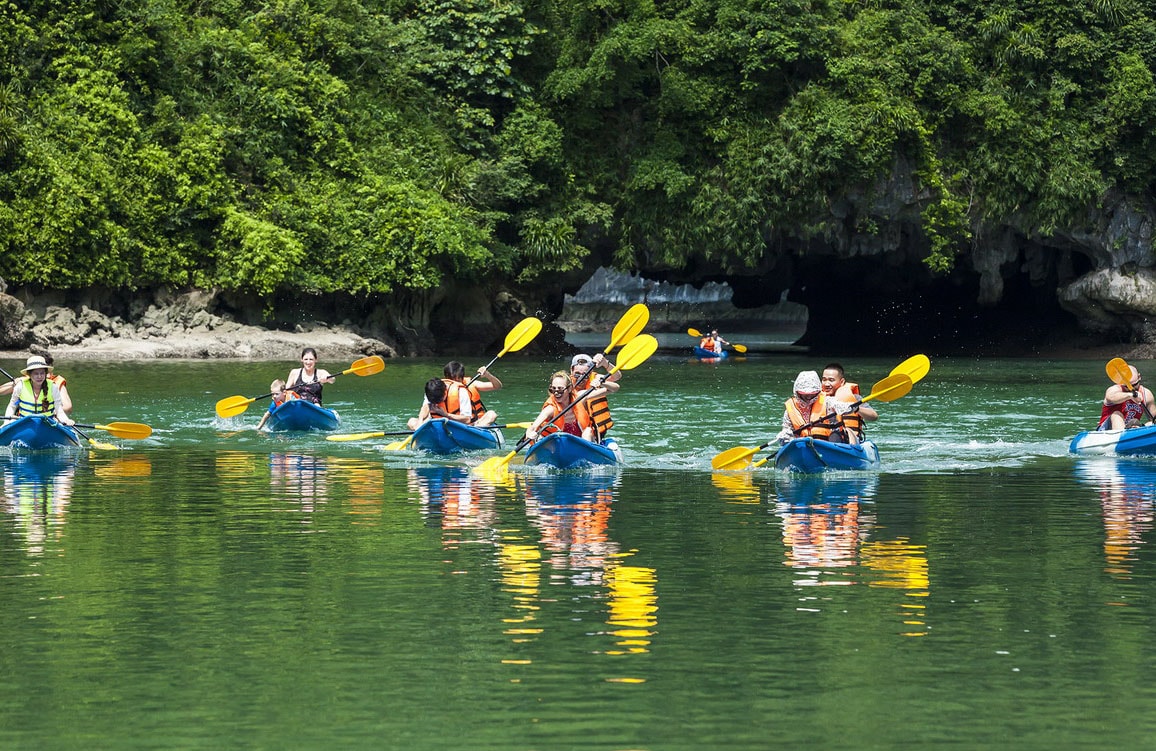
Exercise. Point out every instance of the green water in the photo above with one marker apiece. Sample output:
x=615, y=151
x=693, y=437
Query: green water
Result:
x=212, y=587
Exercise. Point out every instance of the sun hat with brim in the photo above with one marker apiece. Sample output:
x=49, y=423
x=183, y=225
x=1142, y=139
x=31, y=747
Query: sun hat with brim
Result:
x=807, y=383
x=36, y=362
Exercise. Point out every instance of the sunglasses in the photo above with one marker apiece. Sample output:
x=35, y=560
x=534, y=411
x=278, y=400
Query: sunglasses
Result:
x=557, y=389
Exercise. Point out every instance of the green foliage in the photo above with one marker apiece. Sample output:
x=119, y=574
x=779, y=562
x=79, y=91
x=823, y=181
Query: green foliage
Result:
x=336, y=145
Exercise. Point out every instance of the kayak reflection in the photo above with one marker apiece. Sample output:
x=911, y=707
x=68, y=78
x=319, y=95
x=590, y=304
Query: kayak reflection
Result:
x=1127, y=488
x=37, y=491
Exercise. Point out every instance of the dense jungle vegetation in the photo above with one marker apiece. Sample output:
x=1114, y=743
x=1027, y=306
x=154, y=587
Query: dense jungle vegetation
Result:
x=378, y=147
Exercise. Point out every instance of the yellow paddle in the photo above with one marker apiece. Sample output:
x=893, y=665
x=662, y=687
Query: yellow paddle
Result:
x=915, y=367
x=381, y=434
x=698, y=335
x=1118, y=370
x=519, y=337
x=889, y=389
x=630, y=325
x=234, y=405
x=636, y=352
x=130, y=430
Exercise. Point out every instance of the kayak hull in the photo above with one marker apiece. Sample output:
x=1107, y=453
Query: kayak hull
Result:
x=809, y=455
x=566, y=451
x=1131, y=442
x=301, y=414
x=443, y=436
x=709, y=354
x=36, y=432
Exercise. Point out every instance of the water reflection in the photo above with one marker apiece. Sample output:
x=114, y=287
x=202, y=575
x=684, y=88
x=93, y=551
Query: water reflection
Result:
x=37, y=491
x=1126, y=488
x=828, y=523
x=456, y=500
x=824, y=521
x=572, y=512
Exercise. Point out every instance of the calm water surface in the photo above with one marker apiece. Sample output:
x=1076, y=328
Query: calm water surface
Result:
x=213, y=587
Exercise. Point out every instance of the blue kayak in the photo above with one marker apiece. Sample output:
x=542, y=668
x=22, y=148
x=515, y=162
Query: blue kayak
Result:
x=301, y=414
x=709, y=354
x=811, y=455
x=566, y=451
x=37, y=432
x=442, y=436
x=1130, y=442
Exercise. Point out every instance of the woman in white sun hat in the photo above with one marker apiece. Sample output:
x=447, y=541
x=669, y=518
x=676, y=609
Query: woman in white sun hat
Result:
x=34, y=394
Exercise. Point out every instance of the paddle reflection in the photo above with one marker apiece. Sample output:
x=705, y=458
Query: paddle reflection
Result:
x=37, y=492
x=572, y=513
x=827, y=523
x=1127, y=488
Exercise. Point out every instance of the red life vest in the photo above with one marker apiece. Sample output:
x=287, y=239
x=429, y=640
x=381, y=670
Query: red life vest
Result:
x=1129, y=409
x=579, y=413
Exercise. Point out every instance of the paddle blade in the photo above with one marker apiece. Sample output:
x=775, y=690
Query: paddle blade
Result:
x=636, y=352
x=102, y=446
x=631, y=324
x=739, y=347
x=354, y=436
x=1119, y=372
x=736, y=458
x=695, y=333
x=233, y=405
x=890, y=388
x=914, y=367
x=494, y=464
x=366, y=366
x=130, y=430
x=399, y=445
x=521, y=335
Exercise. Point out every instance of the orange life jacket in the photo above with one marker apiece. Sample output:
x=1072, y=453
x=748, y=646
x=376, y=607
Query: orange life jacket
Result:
x=453, y=400
x=798, y=419
x=851, y=419
x=579, y=411
x=597, y=406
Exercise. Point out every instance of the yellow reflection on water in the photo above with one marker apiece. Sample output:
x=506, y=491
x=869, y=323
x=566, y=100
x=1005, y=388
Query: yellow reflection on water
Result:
x=902, y=565
x=632, y=608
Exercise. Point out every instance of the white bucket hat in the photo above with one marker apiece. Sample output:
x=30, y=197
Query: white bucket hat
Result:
x=807, y=382
x=36, y=362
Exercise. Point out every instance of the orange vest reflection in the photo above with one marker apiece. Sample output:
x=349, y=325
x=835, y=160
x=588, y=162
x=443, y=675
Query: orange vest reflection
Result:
x=37, y=492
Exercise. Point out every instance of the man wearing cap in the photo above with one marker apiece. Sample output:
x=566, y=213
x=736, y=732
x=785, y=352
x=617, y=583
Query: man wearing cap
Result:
x=34, y=394
x=810, y=412
x=1127, y=406
x=582, y=372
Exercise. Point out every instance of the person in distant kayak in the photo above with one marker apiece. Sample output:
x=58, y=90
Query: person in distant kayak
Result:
x=836, y=388
x=54, y=378
x=308, y=380
x=712, y=342
x=1127, y=405
x=280, y=396
x=34, y=394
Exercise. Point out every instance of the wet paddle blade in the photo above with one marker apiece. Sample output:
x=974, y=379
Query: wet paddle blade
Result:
x=914, y=367
x=355, y=436
x=521, y=335
x=399, y=445
x=636, y=352
x=130, y=430
x=495, y=464
x=233, y=405
x=739, y=347
x=890, y=388
x=366, y=366
x=1118, y=370
x=630, y=325
x=736, y=458
x=695, y=333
